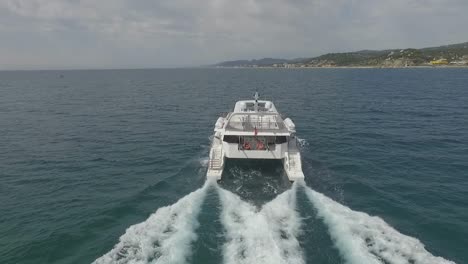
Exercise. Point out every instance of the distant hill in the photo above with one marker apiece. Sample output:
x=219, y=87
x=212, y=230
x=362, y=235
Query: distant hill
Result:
x=455, y=54
x=247, y=63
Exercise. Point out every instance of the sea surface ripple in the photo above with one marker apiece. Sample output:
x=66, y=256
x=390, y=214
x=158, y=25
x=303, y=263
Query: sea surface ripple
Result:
x=109, y=166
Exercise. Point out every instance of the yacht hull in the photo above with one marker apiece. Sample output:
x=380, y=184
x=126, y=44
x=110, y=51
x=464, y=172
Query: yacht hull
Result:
x=255, y=130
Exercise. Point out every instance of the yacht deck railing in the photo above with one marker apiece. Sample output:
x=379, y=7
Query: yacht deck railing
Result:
x=267, y=122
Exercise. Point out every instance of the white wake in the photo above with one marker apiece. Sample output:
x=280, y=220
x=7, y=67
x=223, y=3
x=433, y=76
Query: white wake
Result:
x=165, y=237
x=302, y=142
x=362, y=238
x=265, y=236
x=261, y=236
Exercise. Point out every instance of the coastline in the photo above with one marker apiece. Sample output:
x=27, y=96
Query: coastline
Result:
x=347, y=67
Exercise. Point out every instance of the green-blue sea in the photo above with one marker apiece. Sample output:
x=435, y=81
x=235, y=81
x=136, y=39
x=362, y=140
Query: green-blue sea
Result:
x=108, y=166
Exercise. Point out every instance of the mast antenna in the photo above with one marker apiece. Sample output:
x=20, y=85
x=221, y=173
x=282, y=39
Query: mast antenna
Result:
x=256, y=101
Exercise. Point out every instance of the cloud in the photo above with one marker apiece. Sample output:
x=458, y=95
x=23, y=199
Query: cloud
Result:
x=145, y=33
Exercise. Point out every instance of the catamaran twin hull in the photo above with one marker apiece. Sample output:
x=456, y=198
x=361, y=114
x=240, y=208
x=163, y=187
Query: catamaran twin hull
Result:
x=255, y=130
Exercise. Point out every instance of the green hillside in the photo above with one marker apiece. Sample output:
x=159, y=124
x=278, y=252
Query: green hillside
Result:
x=451, y=55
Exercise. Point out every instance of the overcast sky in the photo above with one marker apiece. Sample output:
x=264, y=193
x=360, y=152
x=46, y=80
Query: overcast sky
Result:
x=51, y=34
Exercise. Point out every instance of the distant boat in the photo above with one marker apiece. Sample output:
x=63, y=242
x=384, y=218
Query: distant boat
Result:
x=255, y=130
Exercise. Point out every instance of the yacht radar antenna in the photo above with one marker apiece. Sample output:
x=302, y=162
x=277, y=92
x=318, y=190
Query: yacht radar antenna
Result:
x=256, y=96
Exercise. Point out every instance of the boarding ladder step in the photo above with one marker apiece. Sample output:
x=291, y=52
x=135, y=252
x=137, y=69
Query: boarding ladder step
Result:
x=295, y=161
x=215, y=161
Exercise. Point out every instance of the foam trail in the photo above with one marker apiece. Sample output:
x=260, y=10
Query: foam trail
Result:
x=265, y=236
x=165, y=237
x=362, y=238
x=203, y=162
x=303, y=143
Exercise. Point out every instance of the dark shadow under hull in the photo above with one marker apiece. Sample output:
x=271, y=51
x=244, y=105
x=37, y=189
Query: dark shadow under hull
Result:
x=255, y=180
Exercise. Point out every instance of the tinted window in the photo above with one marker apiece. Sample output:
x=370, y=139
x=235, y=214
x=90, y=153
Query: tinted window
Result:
x=281, y=140
x=231, y=139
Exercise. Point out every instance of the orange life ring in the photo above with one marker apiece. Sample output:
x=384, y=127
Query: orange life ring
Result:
x=247, y=146
x=260, y=145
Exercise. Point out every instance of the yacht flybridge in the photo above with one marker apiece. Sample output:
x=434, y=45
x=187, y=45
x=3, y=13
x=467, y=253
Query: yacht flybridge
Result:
x=255, y=130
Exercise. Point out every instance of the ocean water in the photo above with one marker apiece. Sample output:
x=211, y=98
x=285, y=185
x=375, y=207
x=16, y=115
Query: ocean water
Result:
x=109, y=167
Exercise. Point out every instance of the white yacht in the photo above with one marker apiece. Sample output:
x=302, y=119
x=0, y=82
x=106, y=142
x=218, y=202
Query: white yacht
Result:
x=255, y=130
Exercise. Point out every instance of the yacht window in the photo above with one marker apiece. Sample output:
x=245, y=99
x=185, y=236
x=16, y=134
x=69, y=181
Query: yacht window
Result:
x=231, y=139
x=281, y=140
